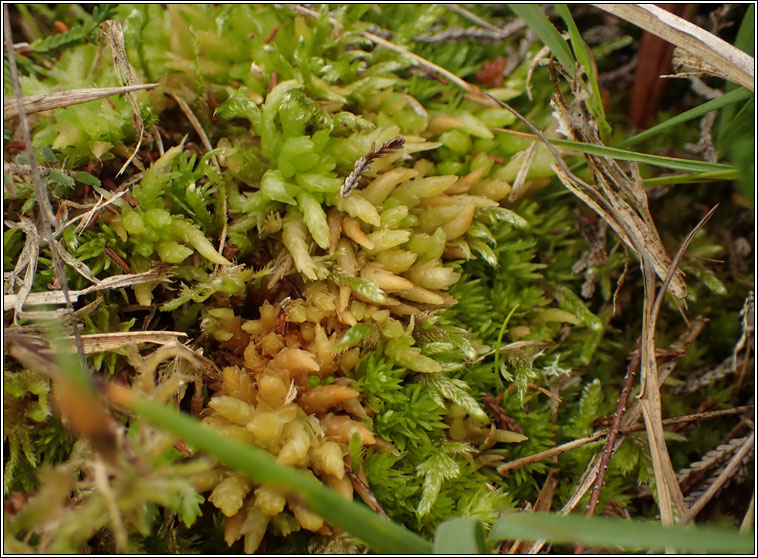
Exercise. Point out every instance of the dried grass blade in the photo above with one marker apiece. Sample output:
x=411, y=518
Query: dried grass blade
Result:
x=114, y=282
x=27, y=261
x=104, y=342
x=579, y=442
x=47, y=217
x=195, y=124
x=62, y=99
x=111, y=31
x=80, y=267
x=471, y=16
x=731, y=63
x=471, y=89
x=669, y=492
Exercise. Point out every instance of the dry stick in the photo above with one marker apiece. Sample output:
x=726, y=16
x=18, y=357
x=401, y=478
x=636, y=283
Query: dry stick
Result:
x=61, y=99
x=631, y=370
x=579, y=442
x=543, y=504
x=195, y=124
x=634, y=225
x=669, y=493
x=631, y=416
x=46, y=211
x=114, y=282
x=651, y=402
x=471, y=16
x=208, y=147
x=472, y=89
x=650, y=390
x=544, y=501
x=685, y=340
x=728, y=471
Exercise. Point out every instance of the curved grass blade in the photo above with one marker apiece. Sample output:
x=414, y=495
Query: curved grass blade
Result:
x=536, y=19
x=620, y=533
x=692, y=178
x=461, y=535
x=624, y=155
x=715, y=104
x=745, y=40
x=380, y=534
x=585, y=60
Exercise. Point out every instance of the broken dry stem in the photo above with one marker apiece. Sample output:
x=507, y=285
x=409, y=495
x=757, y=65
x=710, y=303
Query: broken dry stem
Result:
x=669, y=492
x=473, y=90
x=579, y=442
x=62, y=99
x=46, y=211
x=613, y=433
x=196, y=125
x=160, y=273
x=728, y=61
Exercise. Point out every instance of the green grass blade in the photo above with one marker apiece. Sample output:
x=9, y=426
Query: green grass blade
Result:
x=461, y=535
x=717, y=176
x=624, y=155
x=745, y=39
x=655, y=160
x=380, y=534
x=701, y=110
x=538, y=22
x=612, y=533
x=585, y=60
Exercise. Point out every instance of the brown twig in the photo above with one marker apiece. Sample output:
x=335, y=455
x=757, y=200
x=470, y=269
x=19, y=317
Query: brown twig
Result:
x=579, y=442
x=195, y=124
x=472, y=17
x=116, y=259
x=542, y=390
x=613, y=434
x=365, y=493
x=544, y=502
x=471, y=89
x=669, y=493
x=46, y=211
